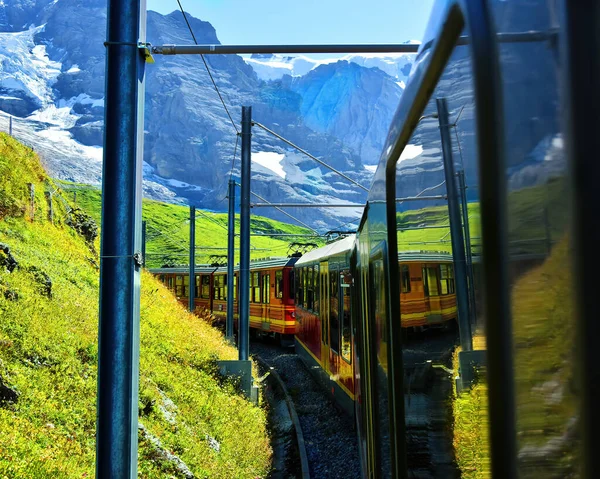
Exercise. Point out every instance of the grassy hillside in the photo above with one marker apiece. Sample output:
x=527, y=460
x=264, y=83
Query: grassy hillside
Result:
x=48, y=355
x=168, y=229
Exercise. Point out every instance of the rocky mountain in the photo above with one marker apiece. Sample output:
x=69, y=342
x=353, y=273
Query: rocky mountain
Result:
x=52, y=81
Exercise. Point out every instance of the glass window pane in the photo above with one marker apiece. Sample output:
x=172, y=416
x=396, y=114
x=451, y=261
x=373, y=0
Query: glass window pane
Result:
x=334, y=320
x=279, y=284
x=346, y=322
x=316, y=300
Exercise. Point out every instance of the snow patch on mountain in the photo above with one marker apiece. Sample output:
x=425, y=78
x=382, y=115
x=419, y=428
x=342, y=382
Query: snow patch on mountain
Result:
x=26, y=67
x=274, y=67
x=271, y=161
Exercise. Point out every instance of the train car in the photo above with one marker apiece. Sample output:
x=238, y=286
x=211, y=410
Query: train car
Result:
x=324, y=311
x=272, y=308
x=177, y=279
x=324, y=337
x=427, y=289
x=271, y=296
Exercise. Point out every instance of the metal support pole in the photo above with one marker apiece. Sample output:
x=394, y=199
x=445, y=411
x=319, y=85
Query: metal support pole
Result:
x=230, y=260
x=456, y=234
x=48, y=196
x=244, y=296
x=192, y=278
x=31, y=201
x=467, y=230
x=120, y=255
x=144, y=232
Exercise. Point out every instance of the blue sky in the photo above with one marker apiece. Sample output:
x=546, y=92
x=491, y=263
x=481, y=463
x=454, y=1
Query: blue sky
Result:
x=308, y=21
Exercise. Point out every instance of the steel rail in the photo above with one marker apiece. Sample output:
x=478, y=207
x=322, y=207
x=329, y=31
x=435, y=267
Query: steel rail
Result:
x=304, y=468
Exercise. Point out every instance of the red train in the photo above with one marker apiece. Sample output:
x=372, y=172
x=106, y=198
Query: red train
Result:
x=272, y=309
x=312, y=299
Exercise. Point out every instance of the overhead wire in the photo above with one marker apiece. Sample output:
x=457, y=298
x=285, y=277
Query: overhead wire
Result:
x=207, y=68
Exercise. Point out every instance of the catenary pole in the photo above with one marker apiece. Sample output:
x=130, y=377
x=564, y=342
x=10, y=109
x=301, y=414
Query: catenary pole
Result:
x=144, y=232
x=467, y=231
x=230, y=260
x=192, y=276
x=456, y=234
x=120, y=255
x=244, y=295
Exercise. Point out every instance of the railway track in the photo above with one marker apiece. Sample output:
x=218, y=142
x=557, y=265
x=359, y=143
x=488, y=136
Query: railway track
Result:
x=328, y=434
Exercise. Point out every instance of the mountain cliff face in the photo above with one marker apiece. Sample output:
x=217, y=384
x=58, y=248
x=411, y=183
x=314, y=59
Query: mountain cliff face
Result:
x=52, y=81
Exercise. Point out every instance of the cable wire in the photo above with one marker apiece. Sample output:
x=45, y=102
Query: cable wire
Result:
x=207, y=68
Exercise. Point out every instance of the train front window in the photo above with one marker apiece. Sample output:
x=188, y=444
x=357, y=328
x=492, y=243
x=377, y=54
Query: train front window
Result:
x=447, y=278
x=220, y=287
x=430, y=280
x=334, y=321
x=266, y=288
x=279, y=284
x=179, y=285
x=405, y=278
x=205, y=286
x=186, y=285
x=255, y=287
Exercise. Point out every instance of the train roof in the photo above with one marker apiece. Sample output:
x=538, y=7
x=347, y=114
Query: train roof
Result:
x=200, y=268
x=425, y=256
x=208, y=269
x=332, y=249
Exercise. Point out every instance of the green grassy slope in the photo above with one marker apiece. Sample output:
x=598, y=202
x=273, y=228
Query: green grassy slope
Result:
x=168, y=229
x=48, y=355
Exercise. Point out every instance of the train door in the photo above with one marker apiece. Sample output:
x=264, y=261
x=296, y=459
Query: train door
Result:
x=266, y=300
x=324, y=287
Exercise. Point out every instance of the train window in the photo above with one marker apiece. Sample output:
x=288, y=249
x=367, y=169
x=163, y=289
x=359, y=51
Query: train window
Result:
x=255, y=287
x=430, y=280
x=279, y=284
x=220, y=289
x=324, y=322
x=446, y=279
x=179, y=285
x=334, y=319
x=310, y=288
x=186, y=285
x=170, y=282
x=205, y=292
x=266, y=288
x=405, y=278
x=316, y=297
x=346, y=323
x=197, y=288
x=305, y=287
x=235, y=287
x=299, y=288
